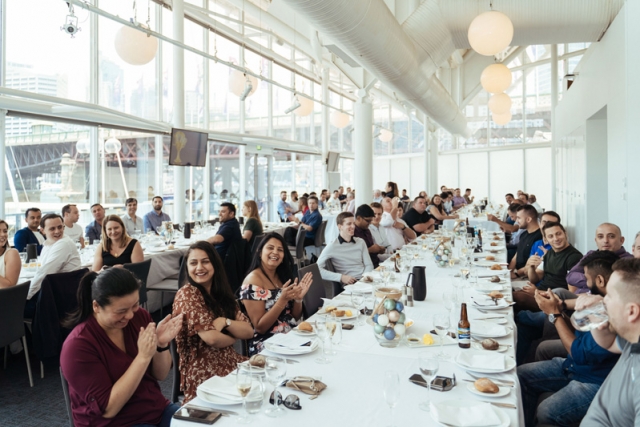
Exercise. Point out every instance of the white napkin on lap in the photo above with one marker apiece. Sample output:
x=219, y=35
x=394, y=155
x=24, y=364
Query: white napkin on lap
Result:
x=488, y=328
x=480, y=415
x=482, y=360
x=224, y=387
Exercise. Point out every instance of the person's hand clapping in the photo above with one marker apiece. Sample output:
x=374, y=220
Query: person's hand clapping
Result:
x=147, y=341
x=288, y=291
x=303, y=287
x=168, y=328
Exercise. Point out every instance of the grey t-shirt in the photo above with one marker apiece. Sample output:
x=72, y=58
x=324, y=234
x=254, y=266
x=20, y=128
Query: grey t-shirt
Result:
x=617, y=403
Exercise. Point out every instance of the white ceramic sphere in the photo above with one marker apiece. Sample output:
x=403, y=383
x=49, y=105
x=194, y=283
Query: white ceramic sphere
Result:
x=500, y=103
x=490, y=33
x=134, y=46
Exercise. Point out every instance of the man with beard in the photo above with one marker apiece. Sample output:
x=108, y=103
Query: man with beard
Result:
x=575, y=379
x=153, y=220
x=617, y=403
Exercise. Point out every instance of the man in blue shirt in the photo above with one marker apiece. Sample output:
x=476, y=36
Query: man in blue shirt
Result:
x=229, y=231
x=31, y=233
x=94, y=229
x=153, y=219
x=310, y=221
x=284, y=209
x=576, y=379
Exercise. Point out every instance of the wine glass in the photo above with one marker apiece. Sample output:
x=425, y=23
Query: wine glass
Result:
x=391, y=390
x=428, y=368
x=275, y=370
x=323, y=333
x=243, y=384
x=441, y=324
x=384, y=273
x=416, y=255
x=336, y=333
x=447, y=297
x=357, y=298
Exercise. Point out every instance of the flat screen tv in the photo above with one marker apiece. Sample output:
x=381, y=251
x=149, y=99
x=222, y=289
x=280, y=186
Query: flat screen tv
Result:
x=188, y=148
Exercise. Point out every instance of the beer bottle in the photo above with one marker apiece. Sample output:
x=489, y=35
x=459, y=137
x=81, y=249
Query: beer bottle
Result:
x=464, y=328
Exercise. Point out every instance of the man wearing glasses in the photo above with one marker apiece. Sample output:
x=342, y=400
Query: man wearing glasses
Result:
x=364, y=217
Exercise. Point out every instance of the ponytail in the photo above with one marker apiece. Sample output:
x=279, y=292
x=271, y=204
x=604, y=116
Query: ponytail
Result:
x=115, y=282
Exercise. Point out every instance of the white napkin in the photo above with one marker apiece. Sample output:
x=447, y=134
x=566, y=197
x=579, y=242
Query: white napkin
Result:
x=291, y=342
x=482, y=360
x=480, y=415
x=488, y=286
x=488, y=328
x=224, y=387
x=486, y=301
x=488, y=272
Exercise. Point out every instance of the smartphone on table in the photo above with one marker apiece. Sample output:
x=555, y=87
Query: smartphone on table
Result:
x=201, y=416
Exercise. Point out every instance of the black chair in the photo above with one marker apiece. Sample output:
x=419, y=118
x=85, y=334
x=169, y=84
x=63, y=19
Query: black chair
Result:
x=297, y=252
x=332, y=288
x=235, y=263
x=320, y=241
x=256, y=243
x=12, y=302
x=67, y=400
x=141, y=271
x=175, y=373
x=57, y=298
x=313, y=299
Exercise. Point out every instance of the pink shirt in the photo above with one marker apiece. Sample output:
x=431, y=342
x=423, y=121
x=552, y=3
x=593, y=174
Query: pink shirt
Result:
x=92, y=364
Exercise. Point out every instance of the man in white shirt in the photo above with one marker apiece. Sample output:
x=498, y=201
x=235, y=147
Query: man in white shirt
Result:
x=132, y=222
x=59, y=255
x=377, y=196
x=334, y=201
x=378, y=232
x=534, y=202
x=72, y=229
x=348, y=254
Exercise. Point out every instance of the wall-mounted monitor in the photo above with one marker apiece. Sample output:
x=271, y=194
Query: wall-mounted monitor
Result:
x=188, y=148
x=333, y=159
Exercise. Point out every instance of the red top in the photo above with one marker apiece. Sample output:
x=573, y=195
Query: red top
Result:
x=92, y=364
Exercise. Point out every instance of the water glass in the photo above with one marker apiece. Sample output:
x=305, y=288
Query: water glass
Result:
x=391, y=391
x=441, y=324
x=428, y=368
x=357, y=299
x=590, y=318
x=275, y=370
x=323, y=333
x=244, y=380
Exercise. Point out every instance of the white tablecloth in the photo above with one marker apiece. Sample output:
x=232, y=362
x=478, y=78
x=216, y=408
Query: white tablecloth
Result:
x=354, y=378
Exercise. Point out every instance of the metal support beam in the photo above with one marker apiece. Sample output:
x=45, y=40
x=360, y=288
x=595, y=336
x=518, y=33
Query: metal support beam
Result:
x=554, y=104
x=206, y=179
x=362, y=142
x=178, y=106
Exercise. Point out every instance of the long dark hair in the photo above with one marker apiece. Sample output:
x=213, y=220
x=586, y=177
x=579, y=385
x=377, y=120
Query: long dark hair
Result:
x=394, y=190
x=285, y=269
x=221, y=300
x=115, y=282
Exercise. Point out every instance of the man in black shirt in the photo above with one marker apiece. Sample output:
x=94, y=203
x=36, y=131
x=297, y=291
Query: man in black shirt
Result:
x=417, y=218
x=557, y=263
x=527, y=218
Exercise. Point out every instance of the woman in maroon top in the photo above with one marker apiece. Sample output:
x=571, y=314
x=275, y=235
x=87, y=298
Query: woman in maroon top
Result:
x=115, y=355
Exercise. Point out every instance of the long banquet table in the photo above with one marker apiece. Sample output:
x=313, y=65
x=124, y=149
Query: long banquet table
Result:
x=354, y=395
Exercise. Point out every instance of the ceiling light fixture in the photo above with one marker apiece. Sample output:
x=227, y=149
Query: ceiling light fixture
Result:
x=496, y=78
x=500, y=103
x=490, y=33
x=501, y=119
x=296, y=104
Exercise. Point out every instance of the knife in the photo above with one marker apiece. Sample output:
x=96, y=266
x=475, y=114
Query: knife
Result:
x=222, y=412
x=502, y=405
x=498, y=383
x=291, y=361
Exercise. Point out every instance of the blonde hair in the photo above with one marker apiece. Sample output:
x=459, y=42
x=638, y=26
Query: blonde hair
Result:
x=253, y=210
x=106, y=241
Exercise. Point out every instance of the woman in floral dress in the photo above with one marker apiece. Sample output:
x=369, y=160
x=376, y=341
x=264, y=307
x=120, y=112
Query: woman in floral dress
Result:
x=212, y=321
x=272, y=297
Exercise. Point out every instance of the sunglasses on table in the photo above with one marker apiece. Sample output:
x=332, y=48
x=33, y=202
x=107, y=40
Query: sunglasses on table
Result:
x=292, y=401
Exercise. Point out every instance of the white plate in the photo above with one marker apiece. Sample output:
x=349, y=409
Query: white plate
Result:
x=510, y=364
x=484, y=281
x=500, y=321
x=484, y=263
x=488, y=247
x=289, y=351
x=354, y=313
x=505, y=421
x=254, y=369
x=157, y=249
x=436, y=342
x=478, y=346
x=304, y=333
x=215, y=399
x=481, y=335
x=503, y=391
x=363, y=287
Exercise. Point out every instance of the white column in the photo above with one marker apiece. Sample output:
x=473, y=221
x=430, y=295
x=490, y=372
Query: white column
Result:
x=363, y=148
x=94, y=98
x=554, y=104
x=270, y=198
x=433, y=164
x=242, y=172
x=178, y=106
x=294, y=182
x=158, y=184
x=325, y=125
x=206, y=178
x=3, y=158
x=425, y=160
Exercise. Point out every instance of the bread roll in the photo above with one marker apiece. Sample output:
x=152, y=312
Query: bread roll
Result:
x=496, y=238
x=490, y=344
x=330, y=308
x=496, y=267
x=485, y=385
x=305, y=326
x=258, y=361
x=338, y=313
x=496, y=294
x=490, y=258
x=494, y=244
x=494, y=279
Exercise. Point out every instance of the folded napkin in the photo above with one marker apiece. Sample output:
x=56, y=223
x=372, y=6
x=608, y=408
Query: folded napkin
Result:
x=488, y=286
x=486, y=301
x=291, y=342
x=488, y=328
x=479, y=415
x=224, y=387
x=482, y=360
x=489, y=273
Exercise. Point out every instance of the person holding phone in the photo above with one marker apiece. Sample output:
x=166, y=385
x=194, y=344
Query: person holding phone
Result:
x=212, y=320
x=272, y=297
x=115, y=355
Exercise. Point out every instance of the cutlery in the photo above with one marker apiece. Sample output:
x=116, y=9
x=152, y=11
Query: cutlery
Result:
x=499, y=384
x=502, y=345
x=505, y=382
x=223, y=412
x=487, y=318
x=291, y=361
x=501, y=404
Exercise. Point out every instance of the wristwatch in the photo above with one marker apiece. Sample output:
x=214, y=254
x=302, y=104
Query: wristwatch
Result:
x=227, y=323
x=553, y=317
